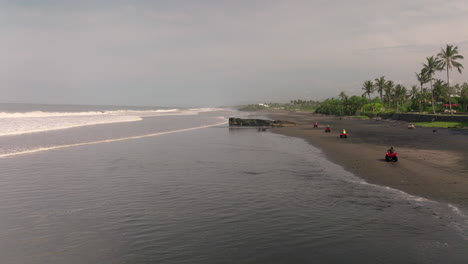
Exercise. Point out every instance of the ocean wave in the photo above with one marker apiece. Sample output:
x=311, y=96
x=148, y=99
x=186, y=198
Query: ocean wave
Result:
x=39, y=121
x=107, y=112
x=42, y=149
x=19, y=128
x=85, y=113
x=206, y=109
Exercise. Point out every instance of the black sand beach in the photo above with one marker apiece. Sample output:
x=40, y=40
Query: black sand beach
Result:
x=432, y=164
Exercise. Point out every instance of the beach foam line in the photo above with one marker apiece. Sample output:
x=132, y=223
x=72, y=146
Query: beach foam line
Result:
x=105, y=141
x=139, y=112
x=105, y=122
x=43, y=114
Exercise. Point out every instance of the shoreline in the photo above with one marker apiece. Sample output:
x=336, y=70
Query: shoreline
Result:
x=432, y=165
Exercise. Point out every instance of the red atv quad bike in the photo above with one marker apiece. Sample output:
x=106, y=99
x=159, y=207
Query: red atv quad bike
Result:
x=344, y=135
x=327, y=130
x=391, y=156
x=315, y=124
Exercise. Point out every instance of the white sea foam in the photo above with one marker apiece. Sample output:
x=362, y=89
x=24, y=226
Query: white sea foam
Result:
x=207, y=109
x=457, y=211
x=85, y=113
x=30, y=151
x=39, y=121
x=34, y=125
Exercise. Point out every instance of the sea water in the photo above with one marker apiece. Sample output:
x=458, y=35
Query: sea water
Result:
x=132, y=185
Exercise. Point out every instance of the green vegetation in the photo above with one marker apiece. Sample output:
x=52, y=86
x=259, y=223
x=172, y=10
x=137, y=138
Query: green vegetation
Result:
x=252, y=107
x=346, y=105
x=396, y=98
x=449, y=57
x=438, y=97
x=429, y=69
x=361, y=117
x=442, y=124
x=293, y=105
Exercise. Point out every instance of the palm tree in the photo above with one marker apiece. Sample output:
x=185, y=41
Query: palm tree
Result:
x=456, y=89
x=344, y=97
x=380, y=85
x=415, y=96
x=413, y=93
x=426, y=96
x=399, y=95
x=440, y=90
x=388, y=89
x=449, y=55
x=464, y=97
x=368, y=88
x=430, y=68
x=422, y=79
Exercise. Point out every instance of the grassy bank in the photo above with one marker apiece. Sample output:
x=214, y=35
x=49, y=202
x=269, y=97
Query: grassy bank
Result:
x=442, y=124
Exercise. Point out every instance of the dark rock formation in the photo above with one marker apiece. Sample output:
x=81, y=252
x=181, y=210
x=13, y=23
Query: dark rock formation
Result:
x=248, y=122
x=259, y=122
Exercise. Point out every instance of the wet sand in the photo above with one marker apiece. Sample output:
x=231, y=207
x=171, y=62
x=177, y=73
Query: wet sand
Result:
x=431, y=164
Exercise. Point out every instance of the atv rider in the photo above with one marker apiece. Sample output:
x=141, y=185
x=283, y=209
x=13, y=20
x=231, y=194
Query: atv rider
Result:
x=391, y=150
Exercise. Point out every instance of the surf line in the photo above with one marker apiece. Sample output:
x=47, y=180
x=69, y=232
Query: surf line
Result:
x=68, y=127
x=105, y=141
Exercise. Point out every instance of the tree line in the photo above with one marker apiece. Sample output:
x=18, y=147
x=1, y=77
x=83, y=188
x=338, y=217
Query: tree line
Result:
x=397, y=98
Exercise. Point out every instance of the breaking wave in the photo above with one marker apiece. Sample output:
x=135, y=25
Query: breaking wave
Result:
x=106, y=140
x=39, y=121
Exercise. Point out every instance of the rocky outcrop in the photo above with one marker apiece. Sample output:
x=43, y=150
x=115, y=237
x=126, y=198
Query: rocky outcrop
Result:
x=259, y=122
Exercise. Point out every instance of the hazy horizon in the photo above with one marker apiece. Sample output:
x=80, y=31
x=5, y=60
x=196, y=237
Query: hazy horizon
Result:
x=214, y=53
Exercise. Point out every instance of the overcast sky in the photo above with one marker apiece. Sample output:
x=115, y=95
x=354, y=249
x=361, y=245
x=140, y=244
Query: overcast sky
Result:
x=215, y=52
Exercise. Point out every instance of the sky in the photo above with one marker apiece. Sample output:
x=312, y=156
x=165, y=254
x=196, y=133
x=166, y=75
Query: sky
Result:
x=215, y=52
